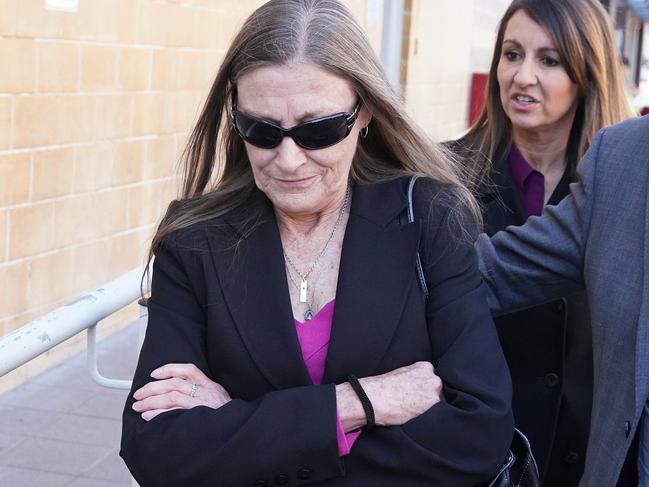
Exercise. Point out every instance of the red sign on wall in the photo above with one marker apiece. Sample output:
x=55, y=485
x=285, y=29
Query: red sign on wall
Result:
x=478, y=93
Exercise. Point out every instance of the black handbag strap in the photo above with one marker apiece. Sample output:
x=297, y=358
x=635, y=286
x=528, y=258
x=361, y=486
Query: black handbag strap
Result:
x=411, y=219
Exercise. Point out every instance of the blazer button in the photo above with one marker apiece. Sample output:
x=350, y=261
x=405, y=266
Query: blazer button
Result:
x=281, y=479
x=571, y=457
x=304, y=473
x=551, y=379
x=627, y=428
x=558, y=306
x=260, y=483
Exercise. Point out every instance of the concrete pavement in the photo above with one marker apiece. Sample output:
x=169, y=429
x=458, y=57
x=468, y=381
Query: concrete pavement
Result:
x=61, y=429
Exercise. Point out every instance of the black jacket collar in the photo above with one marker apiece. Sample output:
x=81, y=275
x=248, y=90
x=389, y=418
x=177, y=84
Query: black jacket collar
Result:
x=501, y=201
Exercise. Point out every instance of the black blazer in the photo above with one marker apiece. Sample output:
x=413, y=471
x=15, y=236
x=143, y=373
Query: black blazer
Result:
x=549, y=352
x=220, y=300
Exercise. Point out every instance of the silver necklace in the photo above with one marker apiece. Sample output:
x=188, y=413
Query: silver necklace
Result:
x=304, y=283
x=308, y=314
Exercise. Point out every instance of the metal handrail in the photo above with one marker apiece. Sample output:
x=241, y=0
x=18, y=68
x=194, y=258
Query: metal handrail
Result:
x=28, y=342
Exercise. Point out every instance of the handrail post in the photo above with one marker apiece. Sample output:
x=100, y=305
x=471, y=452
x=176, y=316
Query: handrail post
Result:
x=144, y=316
x=92, y=364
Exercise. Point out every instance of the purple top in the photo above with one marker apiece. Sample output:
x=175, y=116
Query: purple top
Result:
x=314, y=343
x=529, y=182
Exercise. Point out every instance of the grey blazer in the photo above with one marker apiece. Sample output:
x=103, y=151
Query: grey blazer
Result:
x=597, y=238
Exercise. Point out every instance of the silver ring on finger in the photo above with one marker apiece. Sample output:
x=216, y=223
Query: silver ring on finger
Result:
x=194, y=389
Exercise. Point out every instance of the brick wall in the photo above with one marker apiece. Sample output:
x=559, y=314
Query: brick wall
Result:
x=95, y=106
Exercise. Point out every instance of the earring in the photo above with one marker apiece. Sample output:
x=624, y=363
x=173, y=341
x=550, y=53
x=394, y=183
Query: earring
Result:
x=364, y=131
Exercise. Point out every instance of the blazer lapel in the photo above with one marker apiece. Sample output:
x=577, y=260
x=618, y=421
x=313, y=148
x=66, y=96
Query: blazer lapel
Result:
x=563, y=188
x=253, y=279
x=502, y=203
x=376, y=272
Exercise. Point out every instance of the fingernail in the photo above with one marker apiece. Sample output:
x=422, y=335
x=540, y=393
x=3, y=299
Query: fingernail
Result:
x=136, y=406
x=155, y=373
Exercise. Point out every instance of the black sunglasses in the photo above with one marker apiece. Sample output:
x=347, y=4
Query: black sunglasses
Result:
x=314, y=134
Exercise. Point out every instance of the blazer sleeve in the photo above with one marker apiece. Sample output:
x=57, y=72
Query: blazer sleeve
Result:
x=288, y=432
x=543, y=259
x=464, y=439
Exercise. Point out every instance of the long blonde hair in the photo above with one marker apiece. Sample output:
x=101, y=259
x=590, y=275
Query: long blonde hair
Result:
x=217, y=173
x=583, y=36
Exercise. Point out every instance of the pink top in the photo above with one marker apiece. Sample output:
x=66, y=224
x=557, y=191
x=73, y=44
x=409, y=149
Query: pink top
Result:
x=529, y=182
x=314, y=342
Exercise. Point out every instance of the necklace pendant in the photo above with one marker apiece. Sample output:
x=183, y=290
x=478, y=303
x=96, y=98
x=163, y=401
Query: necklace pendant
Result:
x=308, y=316
x=303, y=289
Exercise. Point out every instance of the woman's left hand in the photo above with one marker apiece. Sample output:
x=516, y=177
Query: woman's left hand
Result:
x=178, y=386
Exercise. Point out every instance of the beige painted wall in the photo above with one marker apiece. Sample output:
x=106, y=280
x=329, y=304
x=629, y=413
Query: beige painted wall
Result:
x=449, y=40
x=94, y=108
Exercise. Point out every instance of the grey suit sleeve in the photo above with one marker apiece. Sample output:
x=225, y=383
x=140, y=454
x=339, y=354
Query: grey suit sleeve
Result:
x=543, y=259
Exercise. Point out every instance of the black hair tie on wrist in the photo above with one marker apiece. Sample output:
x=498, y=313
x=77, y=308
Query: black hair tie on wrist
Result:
x=365, y=401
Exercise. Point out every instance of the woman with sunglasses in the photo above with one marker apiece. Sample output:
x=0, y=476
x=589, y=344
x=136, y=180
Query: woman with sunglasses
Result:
x=290, y=337
x=554, y=83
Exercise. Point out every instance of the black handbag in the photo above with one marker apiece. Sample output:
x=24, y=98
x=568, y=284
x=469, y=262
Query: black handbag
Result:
x=519, y=468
